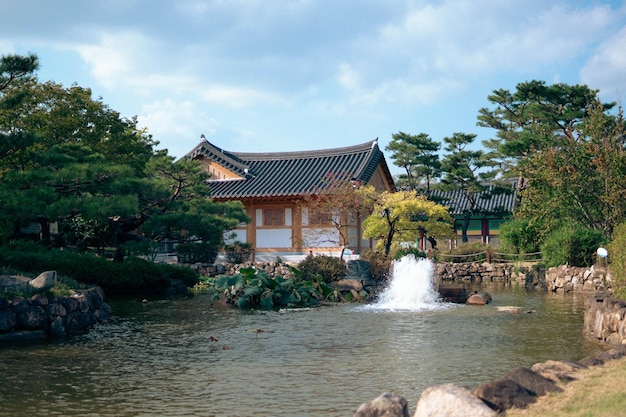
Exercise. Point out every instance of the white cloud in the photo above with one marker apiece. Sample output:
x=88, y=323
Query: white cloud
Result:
x=178, y=124
x=606, y=69
x=438, y=49
x=348, y=77
x=239, y=97
x=117, y=57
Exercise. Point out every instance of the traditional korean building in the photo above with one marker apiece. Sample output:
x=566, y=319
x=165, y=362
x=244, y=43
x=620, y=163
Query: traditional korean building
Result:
x=272, y=187
x=492, y=206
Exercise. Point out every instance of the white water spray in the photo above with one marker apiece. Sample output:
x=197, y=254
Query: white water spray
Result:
x=412, y=287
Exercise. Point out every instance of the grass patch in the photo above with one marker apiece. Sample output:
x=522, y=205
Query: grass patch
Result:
x=598, y=392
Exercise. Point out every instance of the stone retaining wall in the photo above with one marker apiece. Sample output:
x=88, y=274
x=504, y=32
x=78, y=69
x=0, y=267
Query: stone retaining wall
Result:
x=272, y=268
x=605, y=319
x=42, y=316
x=567, y=278
x=477, y=272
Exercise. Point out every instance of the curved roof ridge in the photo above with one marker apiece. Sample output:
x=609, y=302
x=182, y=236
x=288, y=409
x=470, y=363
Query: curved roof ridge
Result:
x=228, y=159
x=313, y=153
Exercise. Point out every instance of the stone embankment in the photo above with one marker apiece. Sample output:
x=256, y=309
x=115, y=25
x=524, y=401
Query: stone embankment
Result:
x=35, y=314
x=519, y=388
x=272, y=268
x=605, y=319
x=567, y=278
x=476, y=272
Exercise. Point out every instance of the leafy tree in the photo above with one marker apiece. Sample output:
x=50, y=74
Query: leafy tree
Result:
x=533, y=118
x=417, y=154
x=398, y=217
x=86, y=165
x=567, y=150
x=463, y=171
x=14, y=69
x=338, y=201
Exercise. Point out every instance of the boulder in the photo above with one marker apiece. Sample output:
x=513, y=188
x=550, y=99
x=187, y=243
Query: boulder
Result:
x=386, y=405
x=44, y=281
x=532, y=381
x=347, y=285
x=479, y=299
x=34, y=317
x=557, y=371
x=450, y=400
x=57, y=328
x=14, y=284
x=8, y=320
x=504, y=394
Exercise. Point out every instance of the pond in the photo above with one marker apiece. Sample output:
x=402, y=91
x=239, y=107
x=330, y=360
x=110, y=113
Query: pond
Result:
x=183, y=357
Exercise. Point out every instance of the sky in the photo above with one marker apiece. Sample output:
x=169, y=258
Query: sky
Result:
x=291, y=75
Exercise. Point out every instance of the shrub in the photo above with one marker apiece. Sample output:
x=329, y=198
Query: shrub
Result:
x=519, y=236
x=571, y=244
x=328, y=268
x=134, y=275
x=238, y=252
x=411, y=250
x=379, y=264
x=617, y=260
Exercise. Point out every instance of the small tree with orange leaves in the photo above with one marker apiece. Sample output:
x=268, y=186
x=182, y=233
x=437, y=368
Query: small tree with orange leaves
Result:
x=335, y=204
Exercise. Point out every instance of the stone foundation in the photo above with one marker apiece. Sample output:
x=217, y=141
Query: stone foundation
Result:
x=42, y=316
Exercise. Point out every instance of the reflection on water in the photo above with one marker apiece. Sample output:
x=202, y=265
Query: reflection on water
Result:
x=184, y=358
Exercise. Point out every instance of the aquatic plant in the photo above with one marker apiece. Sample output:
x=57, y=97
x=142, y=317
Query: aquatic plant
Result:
x=255, y=288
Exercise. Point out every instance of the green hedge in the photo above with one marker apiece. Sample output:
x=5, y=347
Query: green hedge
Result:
x=571, y=244
x=328, y=268
x=132, y=276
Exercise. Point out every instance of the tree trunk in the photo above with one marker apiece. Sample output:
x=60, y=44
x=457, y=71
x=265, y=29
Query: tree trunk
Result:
x=466, y=222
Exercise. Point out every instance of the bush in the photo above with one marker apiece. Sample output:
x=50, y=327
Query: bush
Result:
x=519, y=236
x=617, y=258
x=572, y=245
x=328, y=268
x=412, y=250
x=379, y=264
x=132, y=276
x=238, y=252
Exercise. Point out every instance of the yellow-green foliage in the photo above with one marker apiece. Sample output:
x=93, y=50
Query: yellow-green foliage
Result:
x=399, y=215
x=617, y=260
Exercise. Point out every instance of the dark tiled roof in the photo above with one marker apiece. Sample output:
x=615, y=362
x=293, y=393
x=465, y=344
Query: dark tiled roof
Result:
x=288, y=174
x=494, y=200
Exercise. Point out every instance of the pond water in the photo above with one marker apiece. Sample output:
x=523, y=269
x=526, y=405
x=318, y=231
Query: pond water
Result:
x=183, y=357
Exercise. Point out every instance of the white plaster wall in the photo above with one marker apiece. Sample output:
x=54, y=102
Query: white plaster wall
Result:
x=320, y=237
x=273, y=238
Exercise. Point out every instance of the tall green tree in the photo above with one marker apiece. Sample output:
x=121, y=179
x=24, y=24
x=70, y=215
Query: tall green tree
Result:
x=533, y=118
x=87, y=166
x=567, y=150
x=465, y=170
x=14, y=70
x=417, y=155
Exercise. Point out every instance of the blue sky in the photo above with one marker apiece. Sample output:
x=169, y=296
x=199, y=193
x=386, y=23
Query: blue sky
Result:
x=263, y=76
